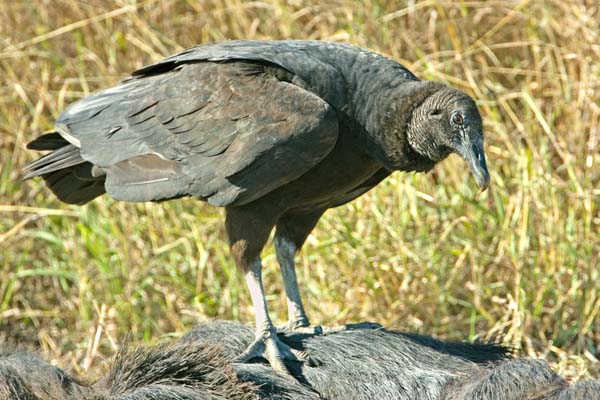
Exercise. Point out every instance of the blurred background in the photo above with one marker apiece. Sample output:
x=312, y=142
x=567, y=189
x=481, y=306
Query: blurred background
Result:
x=518, y=263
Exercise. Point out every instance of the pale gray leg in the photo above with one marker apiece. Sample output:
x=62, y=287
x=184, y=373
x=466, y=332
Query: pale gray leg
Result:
x=286, y=251
x=292, y=231
x=297, y=320
x=266, y=344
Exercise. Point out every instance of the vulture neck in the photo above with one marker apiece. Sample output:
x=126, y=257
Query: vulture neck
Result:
x=383, y=108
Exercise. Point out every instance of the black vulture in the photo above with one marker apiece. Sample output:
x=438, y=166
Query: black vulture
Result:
x=276, y=132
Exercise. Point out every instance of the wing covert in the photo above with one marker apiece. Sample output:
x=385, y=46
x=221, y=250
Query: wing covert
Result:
x=227, y=132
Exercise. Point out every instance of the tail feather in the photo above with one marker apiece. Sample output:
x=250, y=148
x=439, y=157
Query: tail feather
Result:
x=64, y=157
x=48, y=141
x=66, y=173
x=75, y=184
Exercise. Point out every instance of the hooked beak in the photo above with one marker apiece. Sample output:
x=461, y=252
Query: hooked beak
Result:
x=473, y=154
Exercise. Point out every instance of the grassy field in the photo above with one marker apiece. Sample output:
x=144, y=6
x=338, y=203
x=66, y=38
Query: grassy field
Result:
x=519, y=263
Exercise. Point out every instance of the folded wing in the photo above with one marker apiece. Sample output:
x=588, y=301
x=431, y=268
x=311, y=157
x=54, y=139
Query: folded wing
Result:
x=227, y=132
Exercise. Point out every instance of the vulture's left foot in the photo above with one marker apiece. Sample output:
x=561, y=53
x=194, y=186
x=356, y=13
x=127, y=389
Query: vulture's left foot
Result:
x=270, y=347
x=351, y=327
x=325, y=330
x=300, y=327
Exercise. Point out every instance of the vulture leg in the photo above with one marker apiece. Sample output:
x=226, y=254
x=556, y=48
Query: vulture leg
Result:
x=290, y=235
x=292, y=231
x=248, y=232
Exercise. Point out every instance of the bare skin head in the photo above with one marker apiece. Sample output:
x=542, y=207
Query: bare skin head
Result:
x=448, y=122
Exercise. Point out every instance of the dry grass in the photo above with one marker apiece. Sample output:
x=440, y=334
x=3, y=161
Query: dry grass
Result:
x=420, y=253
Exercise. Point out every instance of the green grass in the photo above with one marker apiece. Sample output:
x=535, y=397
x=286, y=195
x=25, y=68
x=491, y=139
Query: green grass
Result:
x=519, y=263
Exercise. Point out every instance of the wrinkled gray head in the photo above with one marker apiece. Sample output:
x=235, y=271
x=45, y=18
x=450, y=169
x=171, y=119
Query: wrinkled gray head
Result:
x=448, y=122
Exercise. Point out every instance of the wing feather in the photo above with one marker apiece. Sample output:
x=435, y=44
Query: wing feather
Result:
x=225, y=132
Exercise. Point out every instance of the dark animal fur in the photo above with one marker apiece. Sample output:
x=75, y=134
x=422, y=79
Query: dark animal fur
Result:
x=355, y=364
x=24, y=376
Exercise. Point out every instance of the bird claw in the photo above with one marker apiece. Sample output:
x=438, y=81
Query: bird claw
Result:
x=326, y=330
x=361, y=325
x=291, y=327
x=275, y=352
x=268, y=346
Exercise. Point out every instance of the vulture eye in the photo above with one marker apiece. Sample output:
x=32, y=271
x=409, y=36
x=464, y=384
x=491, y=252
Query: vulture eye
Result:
x=457, y=119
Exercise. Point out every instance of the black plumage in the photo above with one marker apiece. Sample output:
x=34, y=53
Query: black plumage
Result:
x=275, y=131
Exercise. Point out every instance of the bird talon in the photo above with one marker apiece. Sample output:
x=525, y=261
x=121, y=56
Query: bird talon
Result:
x=300, y=355
x=303, y=329
x=271, y=348
x=254, y=350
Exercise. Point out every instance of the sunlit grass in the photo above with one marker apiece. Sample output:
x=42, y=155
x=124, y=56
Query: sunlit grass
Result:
x=518, y=263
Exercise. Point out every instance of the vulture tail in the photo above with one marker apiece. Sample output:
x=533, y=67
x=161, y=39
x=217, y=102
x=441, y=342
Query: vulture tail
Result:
x=68, y=175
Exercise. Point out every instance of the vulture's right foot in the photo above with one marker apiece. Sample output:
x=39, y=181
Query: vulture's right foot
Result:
x=268, y=346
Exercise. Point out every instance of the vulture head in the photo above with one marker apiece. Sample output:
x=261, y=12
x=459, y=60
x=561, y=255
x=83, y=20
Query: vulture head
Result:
x=447, y=121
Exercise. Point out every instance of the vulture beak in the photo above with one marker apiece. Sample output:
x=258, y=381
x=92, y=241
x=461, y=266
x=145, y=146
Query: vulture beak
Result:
x=472, y=152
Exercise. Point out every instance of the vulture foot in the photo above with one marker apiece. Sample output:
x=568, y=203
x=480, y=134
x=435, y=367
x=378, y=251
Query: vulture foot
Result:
x=274, y=351
x=350, y=327
x=291, y=327
x=301, y=326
